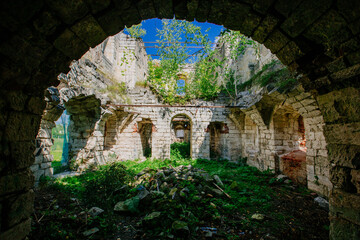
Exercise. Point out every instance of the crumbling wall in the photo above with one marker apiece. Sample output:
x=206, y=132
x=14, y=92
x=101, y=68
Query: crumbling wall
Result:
x=44, y=141
x=127, y=141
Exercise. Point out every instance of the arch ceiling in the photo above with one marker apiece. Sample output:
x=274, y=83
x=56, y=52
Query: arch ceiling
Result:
x=317, y=38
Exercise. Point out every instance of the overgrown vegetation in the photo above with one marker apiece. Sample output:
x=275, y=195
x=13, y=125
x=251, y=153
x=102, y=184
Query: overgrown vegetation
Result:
x=180, y=150
x=212, y=71
x=272, y=73
x=62, y=213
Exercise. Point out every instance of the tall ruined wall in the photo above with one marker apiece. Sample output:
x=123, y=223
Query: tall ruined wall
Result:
x=260, y=129
x=44, y=141
x=126, y=138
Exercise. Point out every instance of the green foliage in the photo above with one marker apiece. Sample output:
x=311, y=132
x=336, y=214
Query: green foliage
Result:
x=248, y=187
x=136, y=31
x=58, y=131
x=211, y=75
x=179, y=150
x=273, y=73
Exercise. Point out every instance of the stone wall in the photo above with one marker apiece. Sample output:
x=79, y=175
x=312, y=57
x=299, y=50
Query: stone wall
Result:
x=264, y=127
x=126, y=139
x=318, y=38
x=44, y=141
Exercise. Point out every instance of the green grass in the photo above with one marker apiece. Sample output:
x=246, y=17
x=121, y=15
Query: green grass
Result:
x=56, y=150
x=251, y=191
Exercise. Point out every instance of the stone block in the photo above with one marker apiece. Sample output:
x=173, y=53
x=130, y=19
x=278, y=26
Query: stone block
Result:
x=22, y=126
x=343, y=133
x=89, y=31
x=286, y=7
x=45, y=165
x=39, y=159
x=19, y=208
x=22, y=154
x=355, y=178
x=98, y=5
x=325, y=28
x=346, y=205
x=70, y=44
x=341, y=178
x=48, y=172
x=304, y=15
x=265, y=28
x=46, y=23
x=16, y=182
x=17, y=232
x=68, y=10
x=342, y=229
x=34, y=167
x=38, y=174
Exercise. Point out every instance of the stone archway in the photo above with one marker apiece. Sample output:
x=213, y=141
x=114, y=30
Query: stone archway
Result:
x=181, y=133
x=316, y=38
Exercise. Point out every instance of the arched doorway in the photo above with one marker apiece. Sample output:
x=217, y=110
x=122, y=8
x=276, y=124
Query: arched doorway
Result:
x=289, y=143
x=180, y=136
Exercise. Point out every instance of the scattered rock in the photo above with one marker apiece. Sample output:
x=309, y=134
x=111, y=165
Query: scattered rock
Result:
x=143, y=193
x=281, y=177
x=95, y=211
x=157, y=194
x=152, y=216
x=90, y=231
x=258, y=216
x=180, y=226
x=129, y=205
x=172, y=192
x=287, y=181
x=322, y=202
x=218, y=181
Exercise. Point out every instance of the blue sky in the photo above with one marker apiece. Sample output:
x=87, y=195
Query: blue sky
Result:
x=151, y=25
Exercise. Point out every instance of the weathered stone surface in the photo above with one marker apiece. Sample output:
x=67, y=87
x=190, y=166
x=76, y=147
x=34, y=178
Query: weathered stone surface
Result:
x=22, y=126
x=344, y=155
x=324, y=29
x=19, y=208
x=286, y=7
x=69, y=44
x=346, y=205
x=68, y=10
x=341, y=178
x=46, y=23
x=89, y=31
x=340, y=105
x=98, y=5
x=164, y=8
x=344, y=133
x=16, y=182
x=276, y=41
x=22, y=154
x=236, y=15
x=304, y=15
x=355, y=179
x=17, y=232
x=342, y=229
x=146, y=9
x=265, y=27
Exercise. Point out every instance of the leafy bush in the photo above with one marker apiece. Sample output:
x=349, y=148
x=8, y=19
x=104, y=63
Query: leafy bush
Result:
x=180, y=150
x=100, y=188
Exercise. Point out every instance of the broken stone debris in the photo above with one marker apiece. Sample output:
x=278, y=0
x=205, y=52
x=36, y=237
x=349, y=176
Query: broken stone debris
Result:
x=322, y=202
x=95, y=211
x=90, y=231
